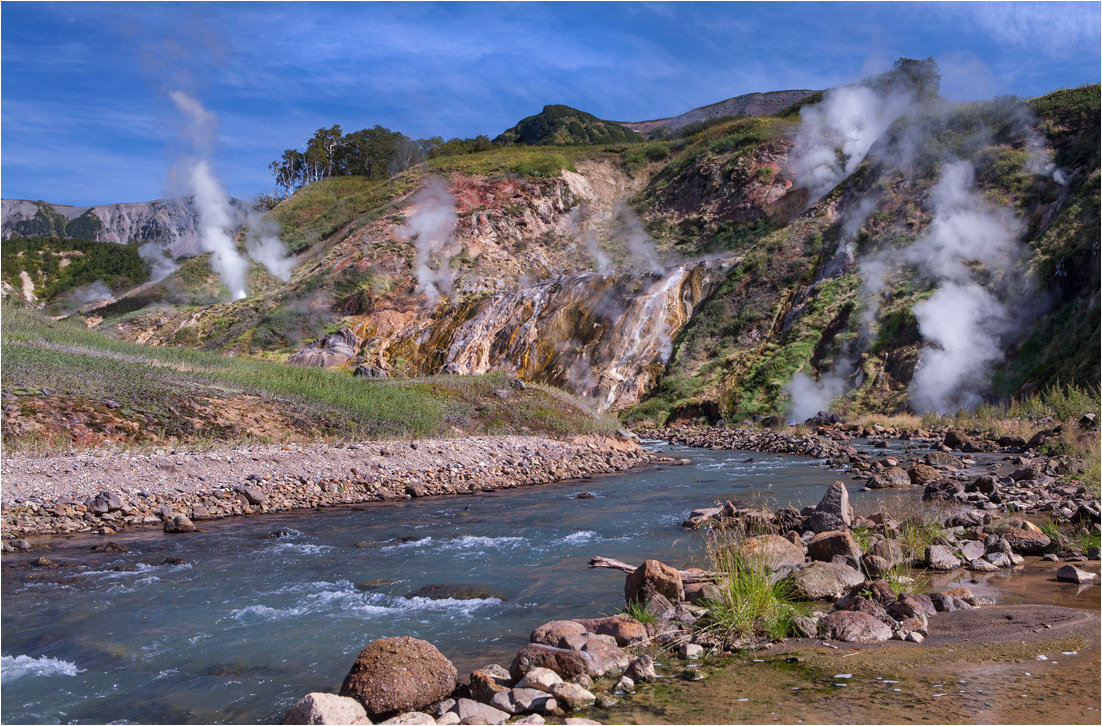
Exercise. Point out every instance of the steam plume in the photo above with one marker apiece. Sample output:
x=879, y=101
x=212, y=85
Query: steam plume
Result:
x=431, y=227
x=216, y=221
x=160, y=264
x=263, y=245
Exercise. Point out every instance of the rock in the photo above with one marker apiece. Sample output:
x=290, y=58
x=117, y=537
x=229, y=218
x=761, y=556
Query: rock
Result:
x=623, y=628
x=179, y=524
x=369, y=372
x=775, y=553
x=624, y=685
x=826, y=545
x=973, y=550
x=1025, y=540
x=653, y=577
x=982, y=566
x=473, y=712
x=567, y=663
x=659, y=606
x=113, y=547
x=698, y=592
x=833, y=511
x=485, y=683
x=940, y=557
x=20, y=544
x=455, y=592
x=104, y=502
x=806, y=625
x=998, y=559
x=641, y=669
x=43, y=562
x=893, y=477
x=411, y=718
x=875, y=567
x=985, y=484
x=523, y=700
x=1071, y=573
x=326, y=708
x=957, y=439
x=922, y=474
x=572, y=697
x=451, y=718
x=254, y=495
x=825, y=580
x=586, y=721
x=605, y=656
x=909, y=605
x=396, y=675
x=855, y=627
x=942, y=460
x=553, y=632
x=540, y=679
x=532, y=718
x=890, y=549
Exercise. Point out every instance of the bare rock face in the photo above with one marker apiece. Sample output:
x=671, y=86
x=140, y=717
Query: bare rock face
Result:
x=853, y=626
x=653, y=577
x=396, y=675
x=326, y=708
x=834, y=511
x=332, y=350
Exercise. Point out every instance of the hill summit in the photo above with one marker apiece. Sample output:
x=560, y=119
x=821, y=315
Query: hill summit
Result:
x=563, y=125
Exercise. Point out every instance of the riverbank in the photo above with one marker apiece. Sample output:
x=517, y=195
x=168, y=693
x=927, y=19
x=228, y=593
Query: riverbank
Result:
x=105, y=491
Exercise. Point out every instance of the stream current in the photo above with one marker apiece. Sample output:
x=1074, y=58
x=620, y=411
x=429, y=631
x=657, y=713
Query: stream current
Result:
x=251, y=622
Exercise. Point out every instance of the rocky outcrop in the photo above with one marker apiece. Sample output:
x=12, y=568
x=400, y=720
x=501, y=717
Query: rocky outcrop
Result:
x=395, y=675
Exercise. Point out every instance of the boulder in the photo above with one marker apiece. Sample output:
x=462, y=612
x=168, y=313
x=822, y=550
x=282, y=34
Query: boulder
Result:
x=487, y=682
x=973, y=550
x=552, y=633
x=825, y=545
x=572, y=697
x=473, y=712
x=624, y=628
x=523, y=700
x=179, y=524
x=698, y=592
x=1025, y=537
x=326, y=708
x=254, y=495
x=875, y=567
x=922, y=474
x=776, y=554
x=532, y=718
x=605, y=656
x=641, y=669
x=890, y=549
x=942, y=460
x=825, y=580
x=1071, y=573
x=653, y=577
x=940, y=557
x=909, y=605
x=624, y=685
x=957, y=439
x=540, y=679
x=370, y=372
x=853, y=626
x=833, y=511
x=567, y=663
x=893, y=477
x=396, y=675
x=410, y=718
x=104, y=502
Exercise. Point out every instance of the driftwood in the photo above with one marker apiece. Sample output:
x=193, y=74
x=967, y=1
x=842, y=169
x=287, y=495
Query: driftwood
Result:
x=686, y=576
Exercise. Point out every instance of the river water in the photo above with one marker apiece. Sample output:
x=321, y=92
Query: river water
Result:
x=250, y=622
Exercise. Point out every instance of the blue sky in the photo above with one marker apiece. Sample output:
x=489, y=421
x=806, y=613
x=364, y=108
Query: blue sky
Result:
x=86, y=117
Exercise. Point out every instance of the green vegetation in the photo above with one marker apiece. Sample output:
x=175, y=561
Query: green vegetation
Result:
x=154, y=384
x=565, y=126
x=56, y=266
x=750, y=603
x=640, y=611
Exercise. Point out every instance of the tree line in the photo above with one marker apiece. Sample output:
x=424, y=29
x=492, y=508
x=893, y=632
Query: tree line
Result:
x=377, y=153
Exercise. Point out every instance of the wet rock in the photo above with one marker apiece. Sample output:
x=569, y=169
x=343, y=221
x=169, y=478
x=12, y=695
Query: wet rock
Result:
x=395, y=675
x=43, y=562
x=572, y=697
x=623, y=628
x=922, y=474
x=776, y=554
x=1071, y=573
x=485, y=683
x=855, y=627
x=973, y=550
x=940, y=557
x=825, y=546
x=833, y=511
x=173, y=561
x=454, y=592
x=21, y=545
x=179, y=524
x=998, y=559
x=653, y=577
x=540, y=679
x=892, y=477
x=523, y=700
x=624, y=685
x=326, y=708
x=113, y=547
x=641, y=669
x=982, y=566
x=567, y=663
x=825, y=580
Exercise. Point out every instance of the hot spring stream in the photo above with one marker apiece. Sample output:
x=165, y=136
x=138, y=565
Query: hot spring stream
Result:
x=249, y=624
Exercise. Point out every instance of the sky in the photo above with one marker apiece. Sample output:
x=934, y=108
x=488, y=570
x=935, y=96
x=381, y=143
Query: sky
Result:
x=85, y=116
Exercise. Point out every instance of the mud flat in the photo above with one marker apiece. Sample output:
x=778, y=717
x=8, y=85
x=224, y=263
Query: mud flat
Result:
x=102, y=492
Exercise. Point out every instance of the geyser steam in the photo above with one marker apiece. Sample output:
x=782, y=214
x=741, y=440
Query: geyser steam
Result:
x=216, y=220
x=263, y=245
x=431, y=227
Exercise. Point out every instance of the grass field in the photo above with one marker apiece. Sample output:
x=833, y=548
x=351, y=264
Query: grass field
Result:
x=157, y=387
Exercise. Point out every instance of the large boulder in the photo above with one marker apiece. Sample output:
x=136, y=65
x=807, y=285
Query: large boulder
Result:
x=834, y=511
x=1024, y=537
x=923, y=474
x=473, y=712
x=890, y=549
x=893, y=477
x=179, y=524
x=624, y=628
x=567, y=663
x=941, y=557
x=854, y=626
x=487, y=682
x=776, y=554
x=826, y=545
x=825, y=580
x=326, y=708
x=553, y=632
x=395, y=675
x=653, y=577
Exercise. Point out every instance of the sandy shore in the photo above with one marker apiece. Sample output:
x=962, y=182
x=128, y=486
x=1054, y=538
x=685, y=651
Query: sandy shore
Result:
x=56, y=494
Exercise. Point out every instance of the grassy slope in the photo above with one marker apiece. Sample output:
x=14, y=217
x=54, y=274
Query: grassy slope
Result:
x=85, y=366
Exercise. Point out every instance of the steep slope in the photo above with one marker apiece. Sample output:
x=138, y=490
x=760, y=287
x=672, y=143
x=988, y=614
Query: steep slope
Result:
x=750, y=104
x=563, y=125
x=171, y=223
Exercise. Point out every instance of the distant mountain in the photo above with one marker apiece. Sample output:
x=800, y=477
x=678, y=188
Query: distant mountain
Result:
x=751, y=104
x=563, y=125
x=171, y=223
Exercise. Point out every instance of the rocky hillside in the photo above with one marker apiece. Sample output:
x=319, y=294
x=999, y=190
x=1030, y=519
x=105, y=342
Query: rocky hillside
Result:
x=750, y=104
x=563, y=125
x=171, y=223
x=733, y=271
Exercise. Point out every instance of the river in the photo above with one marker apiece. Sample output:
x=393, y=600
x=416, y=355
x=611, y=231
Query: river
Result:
x=251, y=622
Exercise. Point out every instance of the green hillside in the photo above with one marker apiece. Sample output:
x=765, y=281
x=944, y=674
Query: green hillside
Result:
x=559, y=125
